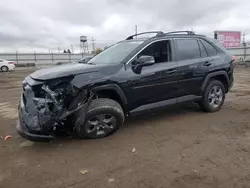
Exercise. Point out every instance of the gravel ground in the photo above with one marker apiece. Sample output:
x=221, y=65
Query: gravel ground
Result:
x=180, y=147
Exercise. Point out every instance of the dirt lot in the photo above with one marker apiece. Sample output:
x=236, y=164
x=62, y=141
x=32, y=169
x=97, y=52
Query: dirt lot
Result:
x=177, y=148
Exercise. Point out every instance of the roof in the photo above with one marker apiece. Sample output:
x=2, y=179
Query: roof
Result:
x=160, y=34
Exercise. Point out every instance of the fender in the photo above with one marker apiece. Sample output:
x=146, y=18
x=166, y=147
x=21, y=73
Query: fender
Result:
x=115, y=88
x=213, y=74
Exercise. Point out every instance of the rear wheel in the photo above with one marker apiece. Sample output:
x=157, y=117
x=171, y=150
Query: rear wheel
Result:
x=213, y=97
x=103, y=118
x=4, y=69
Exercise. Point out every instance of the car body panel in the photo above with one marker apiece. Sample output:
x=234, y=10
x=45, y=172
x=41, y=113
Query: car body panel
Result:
x=65, y=70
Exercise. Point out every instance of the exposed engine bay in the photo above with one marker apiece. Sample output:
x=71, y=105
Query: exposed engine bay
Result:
x=48, y=106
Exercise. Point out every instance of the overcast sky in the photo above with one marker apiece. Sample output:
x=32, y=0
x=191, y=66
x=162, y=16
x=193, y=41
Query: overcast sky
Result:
x=42, y=25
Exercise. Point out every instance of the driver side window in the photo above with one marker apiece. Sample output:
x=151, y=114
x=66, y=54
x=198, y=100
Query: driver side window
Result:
x=160, y=50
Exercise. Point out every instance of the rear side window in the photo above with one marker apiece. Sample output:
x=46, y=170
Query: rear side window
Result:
x=209, y=48
x=188, y=49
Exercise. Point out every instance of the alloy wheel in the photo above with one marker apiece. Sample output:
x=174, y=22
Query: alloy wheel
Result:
x=215, y=96
x=100, y=124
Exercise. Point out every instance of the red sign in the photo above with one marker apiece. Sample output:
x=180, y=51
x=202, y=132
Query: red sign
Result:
x=229, y=39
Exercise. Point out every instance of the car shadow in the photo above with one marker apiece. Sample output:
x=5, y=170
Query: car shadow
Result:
x=160, y=113
x=131, y=121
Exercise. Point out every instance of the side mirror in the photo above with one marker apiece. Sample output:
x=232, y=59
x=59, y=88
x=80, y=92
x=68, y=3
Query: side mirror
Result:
x=145, y=60
x=142, y=61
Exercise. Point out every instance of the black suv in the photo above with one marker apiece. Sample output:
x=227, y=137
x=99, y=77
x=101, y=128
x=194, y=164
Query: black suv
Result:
x=92, y=99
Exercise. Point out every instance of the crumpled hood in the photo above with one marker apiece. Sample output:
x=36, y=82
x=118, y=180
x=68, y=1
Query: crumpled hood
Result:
x=64, y=70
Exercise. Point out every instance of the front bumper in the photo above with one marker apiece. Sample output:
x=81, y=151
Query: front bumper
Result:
x=24, y=132
x=23, y=129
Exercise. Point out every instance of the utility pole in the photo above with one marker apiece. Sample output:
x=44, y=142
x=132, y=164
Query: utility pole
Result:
x=72, y=49
x=59, y=49
x=93, y=43
x=243, y=38
x=136, y=30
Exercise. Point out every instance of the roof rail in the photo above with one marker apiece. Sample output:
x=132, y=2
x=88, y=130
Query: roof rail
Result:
x=179, y=32
x=158, y=33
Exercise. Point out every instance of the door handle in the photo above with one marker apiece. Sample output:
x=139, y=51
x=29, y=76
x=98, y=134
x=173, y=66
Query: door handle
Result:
x=171, y=71
x=207, y=64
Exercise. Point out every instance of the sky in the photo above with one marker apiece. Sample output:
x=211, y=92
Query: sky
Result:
x=54, y=25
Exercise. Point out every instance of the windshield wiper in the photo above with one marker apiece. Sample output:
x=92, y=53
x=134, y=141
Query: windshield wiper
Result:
x=90, y=63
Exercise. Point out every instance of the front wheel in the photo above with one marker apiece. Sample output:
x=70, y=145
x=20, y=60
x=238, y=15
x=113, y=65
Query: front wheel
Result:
x=4, y=69
x=104, y=117
x=213, y=97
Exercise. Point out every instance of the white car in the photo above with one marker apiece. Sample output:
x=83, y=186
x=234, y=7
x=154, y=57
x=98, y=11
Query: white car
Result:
x=6, y=65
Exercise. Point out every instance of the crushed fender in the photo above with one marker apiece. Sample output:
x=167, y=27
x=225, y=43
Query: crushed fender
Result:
x=56, y=103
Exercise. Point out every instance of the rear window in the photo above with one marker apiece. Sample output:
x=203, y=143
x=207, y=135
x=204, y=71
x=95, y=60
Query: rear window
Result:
x=211, y=51
x=188, y=49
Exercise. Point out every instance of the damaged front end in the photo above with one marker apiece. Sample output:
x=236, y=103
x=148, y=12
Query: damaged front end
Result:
x=46, y=107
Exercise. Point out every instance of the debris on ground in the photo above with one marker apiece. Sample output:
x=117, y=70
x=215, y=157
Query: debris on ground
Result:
x=26, y=144
x=83, y=172
x=133, y=150
x=7, y=137
x=111, y=180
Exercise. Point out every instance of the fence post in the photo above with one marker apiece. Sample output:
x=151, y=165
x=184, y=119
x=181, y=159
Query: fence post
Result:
x=16, y=57
x=245, y=50
x=52, y=56
x=35, y=56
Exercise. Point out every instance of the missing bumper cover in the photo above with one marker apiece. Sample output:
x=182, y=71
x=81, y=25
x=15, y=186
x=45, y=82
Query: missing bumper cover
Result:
x=45, y=115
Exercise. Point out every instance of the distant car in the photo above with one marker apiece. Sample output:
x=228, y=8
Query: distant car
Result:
x=85, y=59
x=6, y=65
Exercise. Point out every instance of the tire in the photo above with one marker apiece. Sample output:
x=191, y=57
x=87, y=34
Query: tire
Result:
x=100, y=112
x=207, y=101
x=4, y=69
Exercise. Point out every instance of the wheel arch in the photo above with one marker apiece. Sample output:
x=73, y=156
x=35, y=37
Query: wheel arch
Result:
x=112, y=91
x=220, y=75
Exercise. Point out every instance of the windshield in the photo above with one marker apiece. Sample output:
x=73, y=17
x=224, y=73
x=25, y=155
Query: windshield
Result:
x=115, y=53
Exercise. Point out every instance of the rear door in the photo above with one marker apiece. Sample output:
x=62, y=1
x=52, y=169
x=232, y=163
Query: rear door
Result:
x=193, y=65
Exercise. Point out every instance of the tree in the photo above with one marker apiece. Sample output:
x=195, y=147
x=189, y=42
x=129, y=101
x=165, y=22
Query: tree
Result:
x=64, y=51
x=98, y=50
x=69, y=51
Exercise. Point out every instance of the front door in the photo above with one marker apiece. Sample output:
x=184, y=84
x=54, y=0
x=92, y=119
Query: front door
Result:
x=157, y=82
